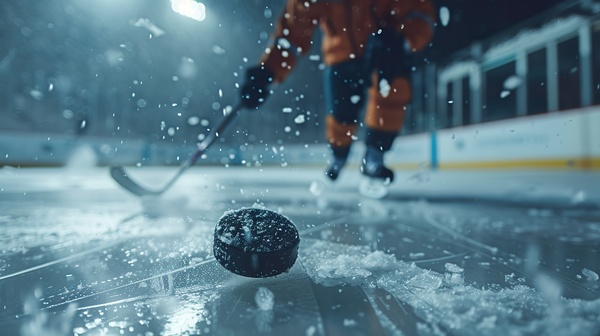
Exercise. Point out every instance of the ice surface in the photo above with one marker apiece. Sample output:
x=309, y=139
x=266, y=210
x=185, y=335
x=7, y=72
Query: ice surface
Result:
x=461, y=267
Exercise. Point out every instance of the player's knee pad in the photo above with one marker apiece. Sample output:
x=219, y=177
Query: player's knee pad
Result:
x=339, y=134
x=344, y=90
x=386, y=113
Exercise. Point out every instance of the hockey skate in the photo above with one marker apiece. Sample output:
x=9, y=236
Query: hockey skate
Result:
x=338, y=161
x=334, y=171
x=375, y=181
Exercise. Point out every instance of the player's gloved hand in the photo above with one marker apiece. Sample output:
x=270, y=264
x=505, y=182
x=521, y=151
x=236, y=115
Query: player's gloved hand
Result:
x=385, y=52
x=255, y=89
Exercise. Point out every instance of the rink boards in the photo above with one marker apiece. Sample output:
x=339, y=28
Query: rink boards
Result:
x=559, y=140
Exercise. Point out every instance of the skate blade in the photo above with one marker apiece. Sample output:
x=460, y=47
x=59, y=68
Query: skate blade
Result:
x=373, y=188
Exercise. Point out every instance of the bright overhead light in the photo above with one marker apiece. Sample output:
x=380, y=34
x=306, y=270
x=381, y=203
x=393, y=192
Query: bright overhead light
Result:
x=189, y=8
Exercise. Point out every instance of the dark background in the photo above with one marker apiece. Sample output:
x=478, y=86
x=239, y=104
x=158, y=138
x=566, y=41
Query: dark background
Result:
x=67, y=61
x=472, y=20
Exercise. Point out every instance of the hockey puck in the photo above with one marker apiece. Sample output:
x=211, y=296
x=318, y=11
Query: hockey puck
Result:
x=256, y=243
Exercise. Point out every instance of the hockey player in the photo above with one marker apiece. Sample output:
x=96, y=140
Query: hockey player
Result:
x=365, y=47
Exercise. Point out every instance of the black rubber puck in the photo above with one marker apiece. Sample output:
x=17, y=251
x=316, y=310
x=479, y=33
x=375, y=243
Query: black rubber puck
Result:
x=256, y=243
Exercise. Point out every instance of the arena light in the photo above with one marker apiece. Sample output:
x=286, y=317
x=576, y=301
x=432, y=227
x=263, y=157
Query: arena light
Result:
x=189, y=8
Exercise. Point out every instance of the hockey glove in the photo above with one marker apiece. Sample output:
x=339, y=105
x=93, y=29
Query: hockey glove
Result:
x=385, y=52
x=255, y=89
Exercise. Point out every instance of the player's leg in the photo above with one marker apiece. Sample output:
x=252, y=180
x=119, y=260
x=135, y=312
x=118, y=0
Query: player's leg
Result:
x=344, y=97
x=383, y=119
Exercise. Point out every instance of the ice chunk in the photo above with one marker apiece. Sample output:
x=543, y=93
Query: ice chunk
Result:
x=284, y=43
x=454, y=276
x=36, y=94
x=193, y=121
x=316, y=188
x=453, y=268
x=349, y=323
x=79, y=330
x=150, y=26
x=589, y=274
x=217, y=50
x=384, y=87
x=444, y=15
x=190, y=8
x=264, y=298
x=300, y=119
x=512, y=82
x=332, y=264
x=425, y=281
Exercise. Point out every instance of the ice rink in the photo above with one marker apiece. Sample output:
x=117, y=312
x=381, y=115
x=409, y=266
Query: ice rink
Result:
x=447, y=253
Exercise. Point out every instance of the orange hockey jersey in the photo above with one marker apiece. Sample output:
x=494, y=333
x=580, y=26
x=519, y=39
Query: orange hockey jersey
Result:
x=346, y=26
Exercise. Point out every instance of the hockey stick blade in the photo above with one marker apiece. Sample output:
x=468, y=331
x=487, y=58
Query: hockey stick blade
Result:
x=120, y=176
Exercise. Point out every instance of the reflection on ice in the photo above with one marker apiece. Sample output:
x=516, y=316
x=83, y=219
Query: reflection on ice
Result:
x=265, y=299
x=42, y=322
x=316, y=187
x=186, y=317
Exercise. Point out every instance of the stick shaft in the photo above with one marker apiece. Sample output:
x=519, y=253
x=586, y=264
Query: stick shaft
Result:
x=122, y=178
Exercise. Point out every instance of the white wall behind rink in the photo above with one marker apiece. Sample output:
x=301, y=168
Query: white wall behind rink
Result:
x=45, y=149
x=569, y=139
x=554, y=140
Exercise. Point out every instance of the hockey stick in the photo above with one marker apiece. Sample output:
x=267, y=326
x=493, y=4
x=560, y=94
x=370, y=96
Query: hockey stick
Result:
x=119, y=174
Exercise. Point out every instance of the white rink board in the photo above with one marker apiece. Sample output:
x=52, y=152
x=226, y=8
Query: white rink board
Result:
x=411, y=150
x=560, y=136
x=593, y=131
x=43, y=149
x=552, y=136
